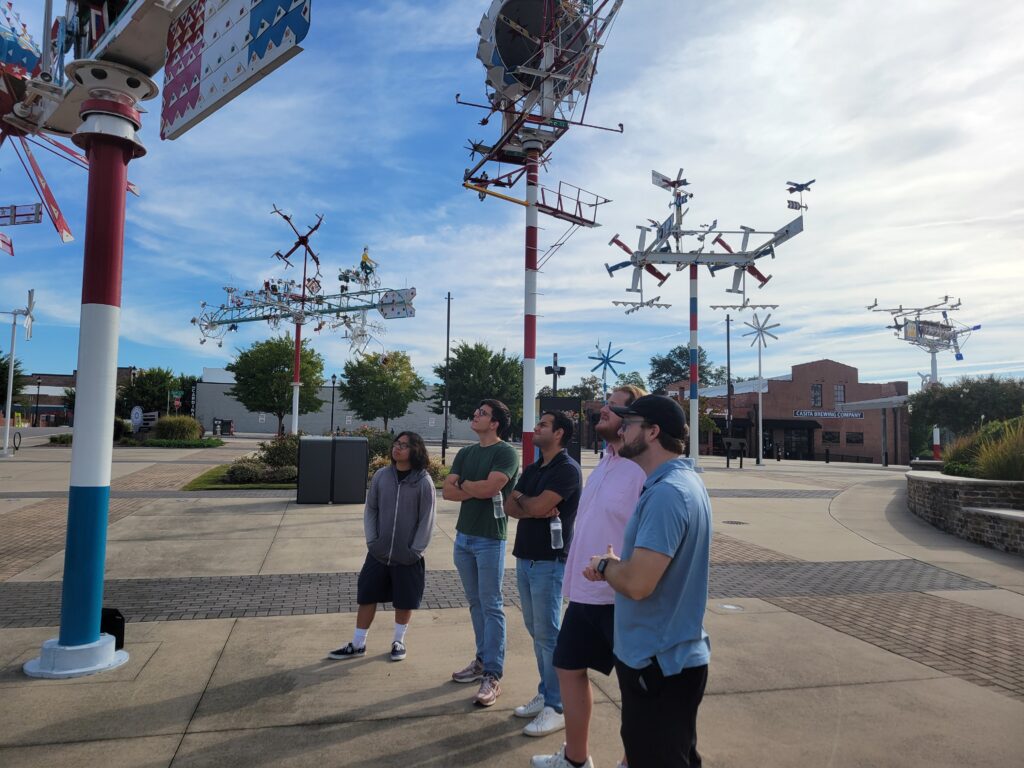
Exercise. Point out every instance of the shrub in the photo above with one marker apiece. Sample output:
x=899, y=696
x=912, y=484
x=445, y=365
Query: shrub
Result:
x=376, y=463
x=438, y=471
x=282, y=451
x=246, y=470
x=379, y=440
x=176, y=428
x=120, y=428
x=963, y=450
x=958, y=469
x=64, y=439
x=287, y=474
x=1003, y=458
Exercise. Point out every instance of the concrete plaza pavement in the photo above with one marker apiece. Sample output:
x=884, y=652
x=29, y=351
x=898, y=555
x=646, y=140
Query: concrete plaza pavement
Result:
x=845, y=632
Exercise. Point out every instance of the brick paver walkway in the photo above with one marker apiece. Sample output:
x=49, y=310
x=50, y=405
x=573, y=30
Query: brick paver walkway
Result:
x=981, y=646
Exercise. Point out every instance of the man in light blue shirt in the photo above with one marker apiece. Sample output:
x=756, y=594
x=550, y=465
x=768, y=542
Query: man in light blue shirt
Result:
x=661, y=586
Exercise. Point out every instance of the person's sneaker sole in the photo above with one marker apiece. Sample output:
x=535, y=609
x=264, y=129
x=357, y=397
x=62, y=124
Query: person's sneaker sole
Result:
x=398, y=655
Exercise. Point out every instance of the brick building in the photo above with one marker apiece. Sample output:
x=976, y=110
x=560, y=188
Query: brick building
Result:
x=803, y=416
x=48, y=390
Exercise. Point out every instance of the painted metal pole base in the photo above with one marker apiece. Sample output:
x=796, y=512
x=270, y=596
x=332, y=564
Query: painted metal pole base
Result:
x=58, y=661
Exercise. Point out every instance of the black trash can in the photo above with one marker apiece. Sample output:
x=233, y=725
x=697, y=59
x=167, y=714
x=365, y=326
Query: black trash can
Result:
x=314, y=482
x=351, y=464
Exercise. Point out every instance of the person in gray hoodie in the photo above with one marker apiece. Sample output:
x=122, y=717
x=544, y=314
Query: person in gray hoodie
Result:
x=398, y=521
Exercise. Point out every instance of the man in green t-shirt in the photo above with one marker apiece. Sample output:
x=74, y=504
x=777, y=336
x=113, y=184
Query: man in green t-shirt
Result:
x=482, y=476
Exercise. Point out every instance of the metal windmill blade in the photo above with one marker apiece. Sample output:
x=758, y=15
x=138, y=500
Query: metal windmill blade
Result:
x=606, y=360
x=28, y=313
x=761, y=328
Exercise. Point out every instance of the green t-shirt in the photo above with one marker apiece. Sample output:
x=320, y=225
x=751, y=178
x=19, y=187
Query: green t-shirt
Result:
x=476, y=516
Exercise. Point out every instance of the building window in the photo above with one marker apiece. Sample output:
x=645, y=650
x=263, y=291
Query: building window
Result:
x=830, y=437
x=855, y=438
x=839, y=390
x=815, y=395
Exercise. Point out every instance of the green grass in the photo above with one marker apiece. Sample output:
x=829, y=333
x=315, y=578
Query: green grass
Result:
x=127, y=442
x=211, y=479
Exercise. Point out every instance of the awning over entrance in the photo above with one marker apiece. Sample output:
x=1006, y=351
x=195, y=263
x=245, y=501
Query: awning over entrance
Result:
x=791, y=424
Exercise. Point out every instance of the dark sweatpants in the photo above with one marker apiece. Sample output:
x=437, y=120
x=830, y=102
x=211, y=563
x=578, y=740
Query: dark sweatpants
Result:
x=659, y=715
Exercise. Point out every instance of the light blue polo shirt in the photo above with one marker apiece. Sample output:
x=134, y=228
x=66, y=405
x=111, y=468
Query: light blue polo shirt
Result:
x=673, y=516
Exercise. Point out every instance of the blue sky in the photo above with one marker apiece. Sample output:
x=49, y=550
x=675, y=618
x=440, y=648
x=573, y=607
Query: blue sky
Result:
x=908, y=114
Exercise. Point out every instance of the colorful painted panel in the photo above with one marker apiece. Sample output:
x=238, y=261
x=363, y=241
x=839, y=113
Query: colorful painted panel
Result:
x=217, y=49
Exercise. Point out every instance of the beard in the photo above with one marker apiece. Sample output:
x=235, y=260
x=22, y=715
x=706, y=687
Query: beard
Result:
x=634, y=449
x=606, y=432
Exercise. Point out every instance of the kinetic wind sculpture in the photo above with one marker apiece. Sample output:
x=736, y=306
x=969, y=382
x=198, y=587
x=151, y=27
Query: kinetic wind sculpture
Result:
x=540, y=57
x=922, y=327
x=666, y=247
x=299, y=303
x=760, y=329
x=117, y=46
x=25, y=312
x=606, y=360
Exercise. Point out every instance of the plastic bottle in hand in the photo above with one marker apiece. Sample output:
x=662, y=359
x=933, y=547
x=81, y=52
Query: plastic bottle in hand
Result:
x=499, y=506
x=556, y=533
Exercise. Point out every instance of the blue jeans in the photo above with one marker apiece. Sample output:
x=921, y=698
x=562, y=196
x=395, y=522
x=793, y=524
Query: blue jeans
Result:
x=540, y=592
x=481, y=566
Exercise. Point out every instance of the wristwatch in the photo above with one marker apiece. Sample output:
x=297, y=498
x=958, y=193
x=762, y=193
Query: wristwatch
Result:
x=601, y=565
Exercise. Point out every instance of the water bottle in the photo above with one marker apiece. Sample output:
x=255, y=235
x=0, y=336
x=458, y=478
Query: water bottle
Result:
x=499, y=506
x=556, y=533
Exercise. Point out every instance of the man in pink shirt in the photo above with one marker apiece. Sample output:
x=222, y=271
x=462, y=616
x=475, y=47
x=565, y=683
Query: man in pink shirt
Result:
x=585, y=639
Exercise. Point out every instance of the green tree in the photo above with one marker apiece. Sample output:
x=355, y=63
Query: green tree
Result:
x=963, y=406
x=588, y=388
x=148, y=388
x=634, y=378
x=478, y=372
x=380, y=386
x=20, y=382
x=675, y=365
x=263, y=377
x=69, y=398
x=184, y=383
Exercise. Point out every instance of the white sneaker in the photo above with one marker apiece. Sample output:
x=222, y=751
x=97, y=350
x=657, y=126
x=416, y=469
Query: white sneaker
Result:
x=548, y=721
x=530, y=709
x=556, y=760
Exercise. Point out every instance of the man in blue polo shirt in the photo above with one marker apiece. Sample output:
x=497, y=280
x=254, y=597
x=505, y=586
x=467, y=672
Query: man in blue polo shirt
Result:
x=545, y=501
x=661, y=586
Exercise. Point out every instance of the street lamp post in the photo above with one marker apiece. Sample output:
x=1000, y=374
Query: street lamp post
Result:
x=447, y=360
x=39, y=384
x=334, y=383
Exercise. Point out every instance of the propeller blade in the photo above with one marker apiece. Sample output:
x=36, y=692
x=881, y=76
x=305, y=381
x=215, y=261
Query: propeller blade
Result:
x=31, y=300
x=28, y=327
x=49, y=201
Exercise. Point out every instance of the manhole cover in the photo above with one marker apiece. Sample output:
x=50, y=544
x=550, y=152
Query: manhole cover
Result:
x=733, y=522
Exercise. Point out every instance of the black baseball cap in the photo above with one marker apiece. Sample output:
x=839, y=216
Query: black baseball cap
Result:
x=657, y=409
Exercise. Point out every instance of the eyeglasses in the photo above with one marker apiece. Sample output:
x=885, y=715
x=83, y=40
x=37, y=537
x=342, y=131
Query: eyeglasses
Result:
x=403, y=446
x=482, y=412
x=627, y=423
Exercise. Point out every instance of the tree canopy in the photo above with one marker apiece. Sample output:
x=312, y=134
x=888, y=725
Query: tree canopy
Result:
x=634, y=378
x=675, y=365
x=478, y=372
x=380, y=386
x=588, y=388
x=963, y=406
x=148, y=389
x=263, y=377
x=20, y=381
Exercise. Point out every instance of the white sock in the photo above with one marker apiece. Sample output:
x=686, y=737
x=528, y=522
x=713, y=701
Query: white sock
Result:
x=400, y=630
x=359, y=638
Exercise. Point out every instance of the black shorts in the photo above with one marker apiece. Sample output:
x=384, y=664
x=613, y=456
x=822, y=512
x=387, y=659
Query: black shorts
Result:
x=400, y=585
x=586, y=638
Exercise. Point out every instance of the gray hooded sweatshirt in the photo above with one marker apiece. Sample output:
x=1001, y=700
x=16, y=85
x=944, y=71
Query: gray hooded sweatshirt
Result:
x=399, y=516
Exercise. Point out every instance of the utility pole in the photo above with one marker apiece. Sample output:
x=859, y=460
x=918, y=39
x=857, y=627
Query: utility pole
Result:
x=728, y=378
x=554, y=371
x=447, y=360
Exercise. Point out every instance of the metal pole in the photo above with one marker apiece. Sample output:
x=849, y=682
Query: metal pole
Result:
x=39, y=384
x=935, y=369
x=447, y=362
x=334, y=382
x=10, y=386
x=694, y=371
x=532, y=148
x=728, y=378
x=110, y=122
x=885, y=448
x=760, y=410
x=554, y=375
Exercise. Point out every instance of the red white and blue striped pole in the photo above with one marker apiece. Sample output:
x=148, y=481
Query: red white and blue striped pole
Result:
x=694, y=371
x=108, y=135
x=530, y=301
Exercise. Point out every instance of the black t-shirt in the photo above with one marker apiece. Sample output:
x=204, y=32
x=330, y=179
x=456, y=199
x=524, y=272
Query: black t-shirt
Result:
x=533, y=535
x=402, y=475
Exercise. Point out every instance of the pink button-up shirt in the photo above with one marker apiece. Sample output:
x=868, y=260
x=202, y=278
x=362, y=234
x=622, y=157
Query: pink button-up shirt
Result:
x=606, y=505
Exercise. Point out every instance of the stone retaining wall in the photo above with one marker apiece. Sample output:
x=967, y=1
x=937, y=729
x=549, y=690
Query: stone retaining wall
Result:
x=944, y=501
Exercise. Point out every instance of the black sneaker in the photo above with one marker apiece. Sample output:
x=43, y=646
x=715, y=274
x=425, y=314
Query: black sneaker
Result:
x=397, y=651
x=347, y=652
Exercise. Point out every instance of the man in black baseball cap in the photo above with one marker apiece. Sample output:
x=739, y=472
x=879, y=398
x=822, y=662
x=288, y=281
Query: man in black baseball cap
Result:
x=661, y=585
